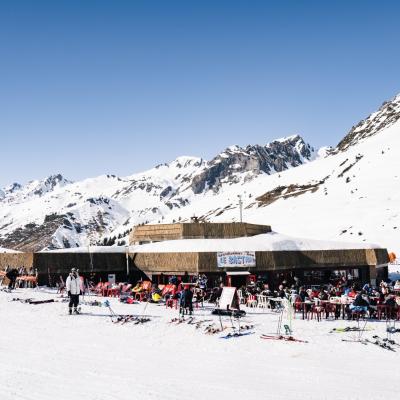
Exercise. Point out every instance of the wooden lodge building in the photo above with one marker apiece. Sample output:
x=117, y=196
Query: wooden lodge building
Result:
x=238, y=252
x=230, y=252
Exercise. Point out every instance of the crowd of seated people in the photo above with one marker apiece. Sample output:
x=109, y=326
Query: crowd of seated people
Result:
x=362, y=299
x=344, y=294
x=180, y=292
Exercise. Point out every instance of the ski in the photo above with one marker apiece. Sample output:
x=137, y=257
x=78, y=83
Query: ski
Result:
x=22, y=300
x=32, y=301
x=362, y=341
x=70, y=315
x=246, y=327
x=386, y=340
x=123, y=319
x=199, y=323
x=211, y=330
x=236, y=335
x=141, y=320
x=350, y=329
x=284, y=338
x=392, y=329
x=177, y=321
x=41, y=301
x=377, y=342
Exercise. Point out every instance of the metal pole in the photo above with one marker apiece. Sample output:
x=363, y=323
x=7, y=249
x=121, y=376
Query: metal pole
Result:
x=127, y=261
x=90, y=257
x=240, y=207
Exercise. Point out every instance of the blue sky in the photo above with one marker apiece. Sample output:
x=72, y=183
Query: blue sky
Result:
x=93, y=87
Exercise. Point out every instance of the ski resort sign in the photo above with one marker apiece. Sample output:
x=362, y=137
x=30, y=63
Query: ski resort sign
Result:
x=236, y=259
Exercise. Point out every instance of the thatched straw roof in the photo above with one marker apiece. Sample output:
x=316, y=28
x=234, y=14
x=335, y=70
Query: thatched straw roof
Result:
x=267, y=242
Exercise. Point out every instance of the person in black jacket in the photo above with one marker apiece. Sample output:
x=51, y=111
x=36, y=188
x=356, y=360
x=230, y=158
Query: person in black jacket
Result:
x=281, y=292
x=303, y=294
x=187, y=300
x=12, y=276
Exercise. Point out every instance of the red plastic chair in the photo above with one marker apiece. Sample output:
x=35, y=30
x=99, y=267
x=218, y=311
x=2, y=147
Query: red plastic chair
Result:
x=172, y=303
x=382, y=310
x=168, y=289
x=113, y=291
x=251, y=300
x=126, y=289
x=104, y=289
x=297, y=307
x=316, y=310
x=98, y=289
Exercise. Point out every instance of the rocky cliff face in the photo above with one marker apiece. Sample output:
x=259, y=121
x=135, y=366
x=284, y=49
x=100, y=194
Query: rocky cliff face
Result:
x=237, y=164
x=387, y=115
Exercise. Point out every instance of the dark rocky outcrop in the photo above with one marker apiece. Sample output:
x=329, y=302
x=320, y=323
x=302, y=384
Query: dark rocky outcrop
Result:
x=276, y=156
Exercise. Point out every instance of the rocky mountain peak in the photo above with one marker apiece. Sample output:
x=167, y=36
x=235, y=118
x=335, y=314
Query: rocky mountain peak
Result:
x=237, y=164
x=387, y=115
x=36, y=188
x=186, y=161
x=12, y=188
x=39, y=188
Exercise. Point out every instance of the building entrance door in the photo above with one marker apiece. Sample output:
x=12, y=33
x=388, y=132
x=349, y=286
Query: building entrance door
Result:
x=237, y=279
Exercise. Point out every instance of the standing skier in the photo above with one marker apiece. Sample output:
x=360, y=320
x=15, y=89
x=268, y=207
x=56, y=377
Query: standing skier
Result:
x=73, y=285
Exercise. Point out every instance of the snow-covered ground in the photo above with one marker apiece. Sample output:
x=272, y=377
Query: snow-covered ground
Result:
x=47, y=354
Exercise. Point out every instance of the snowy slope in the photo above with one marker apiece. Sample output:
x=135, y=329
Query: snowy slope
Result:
x=57, y=213
x=352, y=195
x=57, y=356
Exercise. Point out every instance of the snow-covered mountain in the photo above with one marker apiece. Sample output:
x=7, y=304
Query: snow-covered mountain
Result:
x=56, y=213
x=387, y=115
x=348, y=193
x=352, y=194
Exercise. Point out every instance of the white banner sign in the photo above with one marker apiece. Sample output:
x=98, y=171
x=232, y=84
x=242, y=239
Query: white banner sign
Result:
x=227, y=296
x=236, y=259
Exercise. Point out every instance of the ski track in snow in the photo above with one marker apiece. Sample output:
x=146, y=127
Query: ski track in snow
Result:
x=47, y=354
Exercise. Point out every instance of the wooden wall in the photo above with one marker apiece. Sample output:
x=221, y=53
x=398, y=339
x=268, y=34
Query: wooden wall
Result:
x=166, y=263
x=16, y=260
x=150, y=233
x=160, y=232
x=55, y=264
x=265, y=261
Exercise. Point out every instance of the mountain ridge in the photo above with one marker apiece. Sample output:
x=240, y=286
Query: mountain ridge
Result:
x=55, y=212
x=274, y=179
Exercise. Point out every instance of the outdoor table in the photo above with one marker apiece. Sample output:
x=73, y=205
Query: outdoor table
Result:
x=276, y=299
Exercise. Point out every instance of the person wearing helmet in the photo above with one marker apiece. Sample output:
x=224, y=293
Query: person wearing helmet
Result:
x=73, y=286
